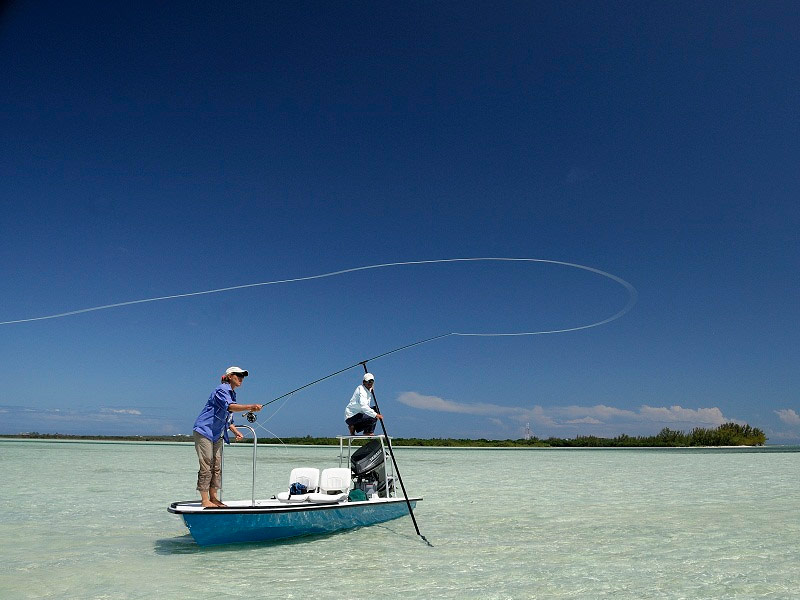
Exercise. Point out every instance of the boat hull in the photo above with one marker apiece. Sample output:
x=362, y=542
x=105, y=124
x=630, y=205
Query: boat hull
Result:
x=265, y=522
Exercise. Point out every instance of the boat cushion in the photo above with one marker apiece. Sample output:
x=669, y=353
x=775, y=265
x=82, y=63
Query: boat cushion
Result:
x=320, y=498
x=285, y=497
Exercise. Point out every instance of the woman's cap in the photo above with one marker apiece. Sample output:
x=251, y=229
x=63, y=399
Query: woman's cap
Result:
x=368, y=377
x=238, y=370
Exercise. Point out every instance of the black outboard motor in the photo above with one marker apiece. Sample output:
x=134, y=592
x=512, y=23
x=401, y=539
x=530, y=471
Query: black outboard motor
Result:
x=369, y=467
x=367, y=458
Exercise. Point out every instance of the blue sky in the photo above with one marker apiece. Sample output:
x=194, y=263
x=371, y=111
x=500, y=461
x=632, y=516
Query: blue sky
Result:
x=149, y=150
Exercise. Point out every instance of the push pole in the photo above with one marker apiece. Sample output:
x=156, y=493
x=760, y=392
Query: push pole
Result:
x=394, y=462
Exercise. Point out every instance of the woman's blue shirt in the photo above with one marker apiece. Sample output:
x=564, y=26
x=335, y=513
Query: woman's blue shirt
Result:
x=212, y=423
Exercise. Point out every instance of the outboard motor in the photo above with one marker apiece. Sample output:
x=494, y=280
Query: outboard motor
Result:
x=369, y=467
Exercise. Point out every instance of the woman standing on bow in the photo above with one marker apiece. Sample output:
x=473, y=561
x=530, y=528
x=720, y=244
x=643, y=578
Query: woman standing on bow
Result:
x=211, y=429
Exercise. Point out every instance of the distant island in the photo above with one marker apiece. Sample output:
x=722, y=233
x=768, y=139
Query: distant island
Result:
x=727, y=434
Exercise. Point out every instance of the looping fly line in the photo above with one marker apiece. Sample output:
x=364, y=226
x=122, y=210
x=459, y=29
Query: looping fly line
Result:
x=628, y=287
x=632, y=295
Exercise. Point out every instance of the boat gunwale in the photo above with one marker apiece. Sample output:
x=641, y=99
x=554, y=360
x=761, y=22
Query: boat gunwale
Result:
x=275, y=509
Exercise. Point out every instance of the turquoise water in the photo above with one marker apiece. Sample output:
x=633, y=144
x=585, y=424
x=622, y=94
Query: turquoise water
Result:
x=89, y=520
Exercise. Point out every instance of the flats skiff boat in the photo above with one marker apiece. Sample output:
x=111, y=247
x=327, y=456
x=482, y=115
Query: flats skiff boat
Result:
x=357, y=493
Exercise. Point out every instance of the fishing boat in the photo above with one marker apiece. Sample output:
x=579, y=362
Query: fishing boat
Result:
x=359, y=492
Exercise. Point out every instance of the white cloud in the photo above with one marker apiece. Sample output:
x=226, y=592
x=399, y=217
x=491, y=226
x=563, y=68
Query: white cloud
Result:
x=678, y=415
x=599, y=411
x=788, y=416
x=100, y=421
x=538, y=416
x=435, y=403
x=589, y=420
x=599, y=419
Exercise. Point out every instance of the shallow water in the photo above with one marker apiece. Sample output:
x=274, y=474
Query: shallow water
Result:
x=89, y=520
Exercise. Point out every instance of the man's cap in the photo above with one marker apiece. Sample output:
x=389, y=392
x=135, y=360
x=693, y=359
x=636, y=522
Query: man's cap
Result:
x=238, y=370
x=368, y=377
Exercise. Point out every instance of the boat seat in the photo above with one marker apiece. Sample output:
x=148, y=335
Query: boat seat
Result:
x=334, y=485
x=308, y=476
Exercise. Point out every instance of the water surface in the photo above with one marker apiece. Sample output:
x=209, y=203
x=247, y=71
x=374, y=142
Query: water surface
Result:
x=89, y=520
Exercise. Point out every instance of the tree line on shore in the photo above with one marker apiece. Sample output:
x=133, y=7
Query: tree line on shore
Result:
x=727, y=434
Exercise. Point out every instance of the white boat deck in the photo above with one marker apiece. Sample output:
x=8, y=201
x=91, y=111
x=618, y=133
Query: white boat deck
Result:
x=274, y=504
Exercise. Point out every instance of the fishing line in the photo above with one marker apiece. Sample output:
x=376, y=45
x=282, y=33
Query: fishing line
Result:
x=251, y=419
x=275, y=412
x=285, y=448
x=632, y=296
x=631, y=290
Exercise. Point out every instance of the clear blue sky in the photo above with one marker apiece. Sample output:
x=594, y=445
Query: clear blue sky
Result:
x=150, y=149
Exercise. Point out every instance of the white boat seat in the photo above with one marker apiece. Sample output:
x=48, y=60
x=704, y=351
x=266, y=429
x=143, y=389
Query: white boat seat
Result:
x=334, y=485
x=308, y=476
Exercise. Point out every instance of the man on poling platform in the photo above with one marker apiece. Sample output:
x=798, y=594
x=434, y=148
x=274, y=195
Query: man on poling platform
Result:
x=359, y=415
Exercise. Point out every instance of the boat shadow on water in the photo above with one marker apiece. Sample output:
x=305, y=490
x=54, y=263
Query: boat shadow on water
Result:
x=185, y=544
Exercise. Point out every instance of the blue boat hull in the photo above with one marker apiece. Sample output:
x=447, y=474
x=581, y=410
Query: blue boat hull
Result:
x=259, y=524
